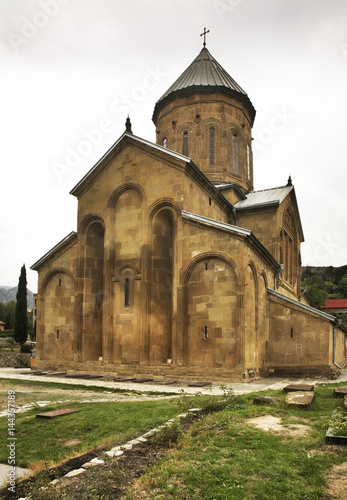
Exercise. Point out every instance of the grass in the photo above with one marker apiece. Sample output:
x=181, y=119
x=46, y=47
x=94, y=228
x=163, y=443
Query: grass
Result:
x=97, y=424
x=220, y=456
x=223, y=456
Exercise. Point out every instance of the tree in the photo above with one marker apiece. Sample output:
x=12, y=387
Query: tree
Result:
x=316, y=289
x=10, y=315
x=20, y=333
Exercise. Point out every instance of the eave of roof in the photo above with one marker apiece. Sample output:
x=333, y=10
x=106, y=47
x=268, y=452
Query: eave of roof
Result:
x=307, y=308
x=204, y=74
x=68, y=240
x=267, y=198
x=207, y=222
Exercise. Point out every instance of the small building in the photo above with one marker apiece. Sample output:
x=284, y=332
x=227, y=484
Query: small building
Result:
x=335, y=306
x=2, y=326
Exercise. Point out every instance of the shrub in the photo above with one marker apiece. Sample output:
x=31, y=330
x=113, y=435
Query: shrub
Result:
x=6, y=333
x=168, y=433
x=25, y=348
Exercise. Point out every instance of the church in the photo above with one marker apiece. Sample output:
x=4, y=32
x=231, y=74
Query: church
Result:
x=179, y=268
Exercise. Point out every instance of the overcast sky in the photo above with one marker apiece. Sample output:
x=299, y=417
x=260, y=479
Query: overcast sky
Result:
x=71, y=70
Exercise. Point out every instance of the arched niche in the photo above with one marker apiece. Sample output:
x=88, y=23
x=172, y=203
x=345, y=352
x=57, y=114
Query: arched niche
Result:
x=212, y=313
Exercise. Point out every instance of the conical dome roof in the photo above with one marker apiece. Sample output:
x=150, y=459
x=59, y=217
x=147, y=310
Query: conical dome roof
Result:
x=204, y=74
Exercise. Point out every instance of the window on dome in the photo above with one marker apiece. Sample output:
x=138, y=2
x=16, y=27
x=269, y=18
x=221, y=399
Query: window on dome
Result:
x=234, y=151
x=211, y=145
x=248, y=162
x=185, y=143
x=165, y=142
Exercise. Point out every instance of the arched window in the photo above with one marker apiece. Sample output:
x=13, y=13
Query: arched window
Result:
x=165, y=142
x=248, y=162
x=211, y=145
x=234, y=151
x=126, y=292
x=185, y=143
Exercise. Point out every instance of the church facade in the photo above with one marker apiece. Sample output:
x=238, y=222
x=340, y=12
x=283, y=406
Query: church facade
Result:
x=179, y=268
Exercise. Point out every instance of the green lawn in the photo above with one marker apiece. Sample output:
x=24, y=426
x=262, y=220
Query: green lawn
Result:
x=97, y=424
x=223, y=456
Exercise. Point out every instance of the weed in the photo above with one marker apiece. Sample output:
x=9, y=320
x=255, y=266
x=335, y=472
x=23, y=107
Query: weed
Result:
x=338, y=423
x=168, y=433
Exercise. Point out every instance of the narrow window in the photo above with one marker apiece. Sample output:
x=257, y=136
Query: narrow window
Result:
x=185, y=143
x=126, y=292
x=165, y=142
x=248, y=163
x=235, y=151
x=206, y=266
x=210, y=201
x=59, y=282
x=211, y=145
x=291, y=332
x=206, y=332
x=57, y=334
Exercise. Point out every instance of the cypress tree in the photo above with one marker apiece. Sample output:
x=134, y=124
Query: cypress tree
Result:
x=20, y=333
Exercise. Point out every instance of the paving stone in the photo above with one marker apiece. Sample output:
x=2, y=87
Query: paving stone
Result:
x=195, y=410
x=198, y=384
x=134, y=442
x=298, y=387
x=56, y=413
x=75, y=472
x=340, y=392
x=304, y=398
x=126, y=446
x=150, y=433
x=93, y=463
x=142, y=439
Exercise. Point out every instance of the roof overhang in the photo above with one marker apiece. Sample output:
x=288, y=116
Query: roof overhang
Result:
x=60, y=247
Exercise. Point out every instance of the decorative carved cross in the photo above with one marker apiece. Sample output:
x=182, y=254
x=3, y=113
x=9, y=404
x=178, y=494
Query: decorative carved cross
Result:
x=204, y=34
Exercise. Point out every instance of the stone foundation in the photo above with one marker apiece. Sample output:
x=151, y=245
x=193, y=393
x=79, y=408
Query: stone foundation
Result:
x=12, y=359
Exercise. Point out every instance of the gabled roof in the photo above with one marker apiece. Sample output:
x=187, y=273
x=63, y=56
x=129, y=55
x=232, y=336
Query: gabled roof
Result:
x=265, y=197
x=207, y=222
x=204, y=74
x=129, y=138
x=270, y=198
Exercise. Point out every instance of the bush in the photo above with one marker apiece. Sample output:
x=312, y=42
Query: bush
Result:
x=25, y=348
x=6, y=333
x=168, y=433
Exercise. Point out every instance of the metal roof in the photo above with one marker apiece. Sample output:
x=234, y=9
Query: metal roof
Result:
x=204, y=74
x=273, y=196
x=204, y=70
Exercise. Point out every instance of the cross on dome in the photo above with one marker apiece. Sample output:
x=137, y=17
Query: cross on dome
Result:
x=204, y=34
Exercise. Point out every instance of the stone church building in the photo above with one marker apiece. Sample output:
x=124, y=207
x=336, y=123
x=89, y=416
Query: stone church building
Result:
x=179, y=268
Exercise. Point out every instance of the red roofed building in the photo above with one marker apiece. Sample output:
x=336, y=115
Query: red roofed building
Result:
x=335, y=306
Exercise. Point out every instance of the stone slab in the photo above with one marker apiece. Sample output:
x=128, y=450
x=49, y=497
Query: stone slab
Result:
x=143, y=380
x=78, y=375
x=198, y=384
x=299, y=387
x=75, y=472
x=340, y=392
x=331, y=438
x=124, y=379
x=297, y=398
x=56, y=413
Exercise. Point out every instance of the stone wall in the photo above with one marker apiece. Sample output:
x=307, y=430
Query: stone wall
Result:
x=12, y=359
